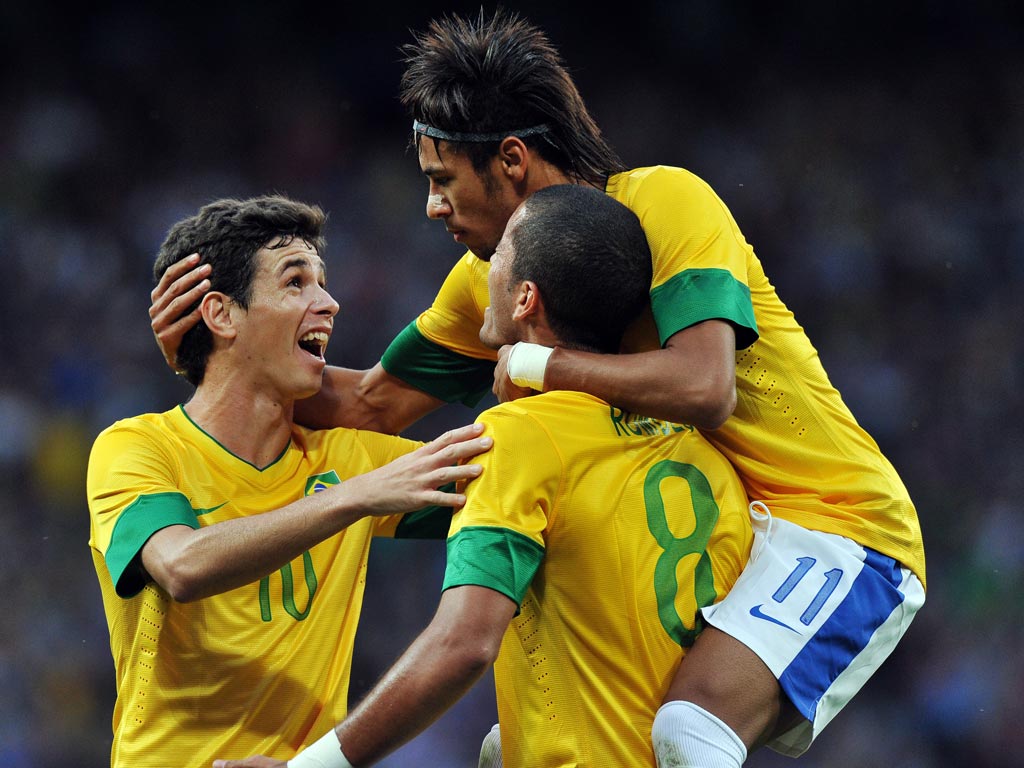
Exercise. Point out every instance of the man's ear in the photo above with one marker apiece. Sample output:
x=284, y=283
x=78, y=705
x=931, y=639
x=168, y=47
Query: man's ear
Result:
x=515, y=157
x=528, y=302
x=219, y=313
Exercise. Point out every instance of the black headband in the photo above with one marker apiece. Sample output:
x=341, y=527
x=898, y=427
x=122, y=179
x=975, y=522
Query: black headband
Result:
x=438, y=133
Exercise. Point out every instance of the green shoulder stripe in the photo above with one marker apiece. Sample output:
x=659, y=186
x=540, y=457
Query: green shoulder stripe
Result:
x=498, y=558
x=696, y=295
x=140, y=520
x=437, y=370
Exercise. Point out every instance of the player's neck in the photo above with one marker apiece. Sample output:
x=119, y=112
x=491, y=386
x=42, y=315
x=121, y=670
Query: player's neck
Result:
x=539, y=333
x=544, y=174
x=252, y=425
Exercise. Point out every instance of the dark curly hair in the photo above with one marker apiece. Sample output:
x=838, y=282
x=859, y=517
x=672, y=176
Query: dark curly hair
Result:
x=227, y=234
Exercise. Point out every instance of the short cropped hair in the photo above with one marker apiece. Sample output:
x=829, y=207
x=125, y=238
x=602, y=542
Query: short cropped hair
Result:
x=227, y=234
x=589, y=257
x=499, y=75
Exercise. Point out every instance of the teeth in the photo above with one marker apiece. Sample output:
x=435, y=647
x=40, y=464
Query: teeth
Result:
x=318, y=337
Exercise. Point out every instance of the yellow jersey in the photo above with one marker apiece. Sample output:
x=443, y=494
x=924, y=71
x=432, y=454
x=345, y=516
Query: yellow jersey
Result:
x=794, y=442
x=610, y=531
x=260, y=669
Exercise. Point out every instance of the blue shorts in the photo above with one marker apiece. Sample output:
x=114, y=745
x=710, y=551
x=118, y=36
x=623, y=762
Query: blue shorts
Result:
x=821, y=611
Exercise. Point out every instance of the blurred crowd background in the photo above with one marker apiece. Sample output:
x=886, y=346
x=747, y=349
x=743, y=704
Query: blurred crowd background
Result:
x=871, y=152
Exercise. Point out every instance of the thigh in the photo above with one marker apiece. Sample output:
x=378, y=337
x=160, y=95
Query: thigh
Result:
x=819, y=614
x=723, y=676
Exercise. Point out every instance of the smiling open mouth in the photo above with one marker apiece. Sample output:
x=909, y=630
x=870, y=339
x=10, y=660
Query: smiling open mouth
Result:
x=315, y=343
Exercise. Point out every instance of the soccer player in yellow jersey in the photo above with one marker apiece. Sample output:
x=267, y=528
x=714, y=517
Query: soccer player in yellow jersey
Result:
x=586, y=550
x=496, y=117
x=230, y=544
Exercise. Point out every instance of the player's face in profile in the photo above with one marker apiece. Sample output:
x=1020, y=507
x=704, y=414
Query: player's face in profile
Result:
x=499, y=327
x=284, y=333
x=473, y=206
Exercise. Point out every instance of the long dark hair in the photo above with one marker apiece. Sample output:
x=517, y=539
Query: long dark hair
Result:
x=501, y=75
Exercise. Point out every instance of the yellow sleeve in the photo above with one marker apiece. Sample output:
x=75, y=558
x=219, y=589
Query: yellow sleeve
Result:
x=440, y=352
x=521, y=482
x=497, y=540
x=454, y=319
x=133, y=491
x=700, y=258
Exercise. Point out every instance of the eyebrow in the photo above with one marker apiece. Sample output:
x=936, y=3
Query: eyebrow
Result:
x=303, y=262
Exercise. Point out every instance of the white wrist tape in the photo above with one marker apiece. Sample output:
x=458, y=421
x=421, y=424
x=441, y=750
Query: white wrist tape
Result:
x=527, y=363
x=325, y=752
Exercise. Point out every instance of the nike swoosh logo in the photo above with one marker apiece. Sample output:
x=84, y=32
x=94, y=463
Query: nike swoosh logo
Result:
x=211, y=509
x=758, y=614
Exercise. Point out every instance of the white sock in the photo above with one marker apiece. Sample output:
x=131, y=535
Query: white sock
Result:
x=686, y=736
x=490, y=750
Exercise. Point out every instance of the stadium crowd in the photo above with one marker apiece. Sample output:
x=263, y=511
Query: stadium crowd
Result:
x=872, y=157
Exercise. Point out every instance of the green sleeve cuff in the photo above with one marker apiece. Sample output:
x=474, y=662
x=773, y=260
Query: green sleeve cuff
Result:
x=428, y=523
x=498, y=558
x=697, y=295
x=140, y=520
x=437, y=370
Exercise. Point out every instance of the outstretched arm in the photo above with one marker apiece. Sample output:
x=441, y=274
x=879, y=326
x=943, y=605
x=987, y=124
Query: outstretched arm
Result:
x=691, y=380
x=194, y=563
x=371, y=399
x=452, y=653
x=444, y=662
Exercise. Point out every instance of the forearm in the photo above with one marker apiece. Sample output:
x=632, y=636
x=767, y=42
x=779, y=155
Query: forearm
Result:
x=444, y=662
x=428, y=679
x=217, y=558
x=642, y=384
x=692, y=380
x=369, y=399
x=336, y=404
